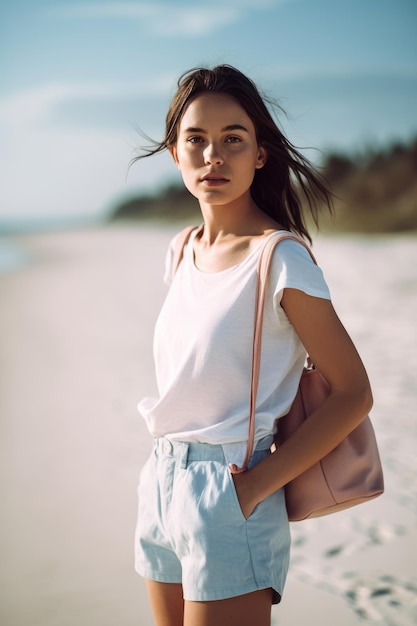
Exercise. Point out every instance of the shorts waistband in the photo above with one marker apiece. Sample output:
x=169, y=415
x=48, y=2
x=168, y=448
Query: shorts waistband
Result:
x=187, y=451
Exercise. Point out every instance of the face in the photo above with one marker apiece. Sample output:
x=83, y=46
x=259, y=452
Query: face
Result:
x=217, y=151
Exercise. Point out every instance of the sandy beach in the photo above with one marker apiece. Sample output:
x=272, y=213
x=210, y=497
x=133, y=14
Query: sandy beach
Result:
x=76, y=325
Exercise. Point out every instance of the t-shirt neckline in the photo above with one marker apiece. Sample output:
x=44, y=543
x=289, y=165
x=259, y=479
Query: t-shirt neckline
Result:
x=232, y=268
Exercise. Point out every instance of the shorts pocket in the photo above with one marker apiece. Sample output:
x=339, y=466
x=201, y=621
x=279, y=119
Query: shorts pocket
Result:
x=257, y=456
x=233, y=496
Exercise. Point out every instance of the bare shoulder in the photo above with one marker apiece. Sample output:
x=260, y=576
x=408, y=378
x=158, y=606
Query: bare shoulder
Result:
x=264, y=231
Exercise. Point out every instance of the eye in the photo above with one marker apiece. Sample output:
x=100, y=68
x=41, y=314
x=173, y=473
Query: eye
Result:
x=195, y=139
x=233, y=139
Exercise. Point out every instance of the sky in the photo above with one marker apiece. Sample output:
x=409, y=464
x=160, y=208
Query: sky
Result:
x=80, y=79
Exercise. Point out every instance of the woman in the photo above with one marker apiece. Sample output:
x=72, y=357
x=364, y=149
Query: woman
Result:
x=214, y=545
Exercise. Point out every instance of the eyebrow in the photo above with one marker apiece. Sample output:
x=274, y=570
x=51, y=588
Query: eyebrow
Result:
x=193, y=129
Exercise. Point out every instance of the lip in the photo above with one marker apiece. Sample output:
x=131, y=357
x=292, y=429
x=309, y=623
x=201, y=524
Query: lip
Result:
x=214, y=179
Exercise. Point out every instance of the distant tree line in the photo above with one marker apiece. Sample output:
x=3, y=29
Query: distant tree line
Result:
x=376, y=190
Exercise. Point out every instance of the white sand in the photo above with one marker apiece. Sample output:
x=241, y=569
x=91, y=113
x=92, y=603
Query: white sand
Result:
x=76, y=335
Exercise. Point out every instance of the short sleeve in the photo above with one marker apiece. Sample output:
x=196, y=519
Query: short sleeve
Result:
x=293, y=267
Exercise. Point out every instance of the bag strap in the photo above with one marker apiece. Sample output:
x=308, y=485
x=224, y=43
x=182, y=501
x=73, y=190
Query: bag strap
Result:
x=182, y=240
x=264, y=263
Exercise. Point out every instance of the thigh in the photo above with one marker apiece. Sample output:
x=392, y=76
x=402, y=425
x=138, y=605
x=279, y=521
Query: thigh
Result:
x=166, y=602
x=246, y=610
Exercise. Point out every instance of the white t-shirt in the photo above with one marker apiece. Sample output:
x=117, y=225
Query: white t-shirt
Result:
x=203, y=349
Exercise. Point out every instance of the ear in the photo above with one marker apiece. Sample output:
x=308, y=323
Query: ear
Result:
x=174, y=154
x=262, y=158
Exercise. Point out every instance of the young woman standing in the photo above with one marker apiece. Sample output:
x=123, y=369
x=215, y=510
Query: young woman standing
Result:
x=214, y=545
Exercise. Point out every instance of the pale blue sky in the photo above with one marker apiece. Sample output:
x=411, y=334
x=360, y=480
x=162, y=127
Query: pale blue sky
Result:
x=77, y=77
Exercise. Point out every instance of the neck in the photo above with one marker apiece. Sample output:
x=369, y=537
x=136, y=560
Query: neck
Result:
x=233, y=220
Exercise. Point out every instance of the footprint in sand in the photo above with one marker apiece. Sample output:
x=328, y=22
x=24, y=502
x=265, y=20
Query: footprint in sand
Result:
x=385, y=600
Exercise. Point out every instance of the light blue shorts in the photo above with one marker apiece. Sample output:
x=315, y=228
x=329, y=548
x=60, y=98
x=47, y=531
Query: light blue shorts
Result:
x=191, y=529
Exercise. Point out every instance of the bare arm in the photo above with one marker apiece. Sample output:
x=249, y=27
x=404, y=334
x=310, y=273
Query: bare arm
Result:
x=332, y=351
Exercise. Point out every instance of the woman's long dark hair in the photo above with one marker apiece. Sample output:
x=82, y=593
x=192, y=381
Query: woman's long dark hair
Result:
x=286, y=176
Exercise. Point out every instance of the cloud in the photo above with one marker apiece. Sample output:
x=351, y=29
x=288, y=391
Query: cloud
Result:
x=196, y=23
x=163, y=20
x=30, y=106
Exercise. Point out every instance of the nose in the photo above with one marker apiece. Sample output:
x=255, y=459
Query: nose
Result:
x=212, y=155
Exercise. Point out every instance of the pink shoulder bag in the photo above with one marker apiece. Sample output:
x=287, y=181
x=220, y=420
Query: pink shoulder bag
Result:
x=352, y=472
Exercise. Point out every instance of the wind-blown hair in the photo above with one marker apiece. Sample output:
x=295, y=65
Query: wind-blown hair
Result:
x=278, y=186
